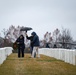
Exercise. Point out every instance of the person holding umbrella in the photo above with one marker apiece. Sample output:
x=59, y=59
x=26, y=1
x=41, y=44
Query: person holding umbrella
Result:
x=21, y=45
x=31, y=43
x=29, y=38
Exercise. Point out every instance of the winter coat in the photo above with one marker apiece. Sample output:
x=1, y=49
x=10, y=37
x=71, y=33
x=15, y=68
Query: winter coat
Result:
x=35, y=39
x=21, y=43
x=31, y=39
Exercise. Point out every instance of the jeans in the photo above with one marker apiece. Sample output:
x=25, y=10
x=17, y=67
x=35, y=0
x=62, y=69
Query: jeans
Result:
x=35, y=51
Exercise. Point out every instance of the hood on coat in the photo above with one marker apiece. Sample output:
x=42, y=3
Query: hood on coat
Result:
x=33, y=33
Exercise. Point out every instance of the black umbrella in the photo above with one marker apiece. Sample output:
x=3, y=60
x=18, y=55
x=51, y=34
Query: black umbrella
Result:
x=25, y=29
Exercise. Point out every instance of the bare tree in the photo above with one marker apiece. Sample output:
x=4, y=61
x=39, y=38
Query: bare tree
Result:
x=5, y=33
x=65, y=38
x=5, y=40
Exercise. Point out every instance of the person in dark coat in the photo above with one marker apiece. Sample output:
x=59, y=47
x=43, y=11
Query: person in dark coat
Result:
x=31, y=44
x=21, y=45
x=36, y=44
x=55, y=46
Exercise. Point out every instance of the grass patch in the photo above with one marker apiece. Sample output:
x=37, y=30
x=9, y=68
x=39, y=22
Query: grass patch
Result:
x=35, y=66
x=47, y=60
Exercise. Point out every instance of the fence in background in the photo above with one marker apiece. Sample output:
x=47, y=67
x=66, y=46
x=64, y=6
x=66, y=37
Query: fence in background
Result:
x=4, y=52
x=66, y=55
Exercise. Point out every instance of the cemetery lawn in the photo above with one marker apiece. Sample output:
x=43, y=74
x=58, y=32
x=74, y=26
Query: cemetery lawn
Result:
x=35, y=66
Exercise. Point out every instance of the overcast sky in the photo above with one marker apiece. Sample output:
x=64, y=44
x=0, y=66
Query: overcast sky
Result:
x=41, y=15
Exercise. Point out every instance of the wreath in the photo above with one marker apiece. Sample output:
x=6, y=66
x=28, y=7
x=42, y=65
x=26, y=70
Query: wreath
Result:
x=15, y=46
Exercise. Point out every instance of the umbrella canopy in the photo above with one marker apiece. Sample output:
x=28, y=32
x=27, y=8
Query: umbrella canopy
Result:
x=26, y=29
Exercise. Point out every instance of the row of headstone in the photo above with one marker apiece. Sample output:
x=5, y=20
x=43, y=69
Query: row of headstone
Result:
x=4, y=52
x=66, y=55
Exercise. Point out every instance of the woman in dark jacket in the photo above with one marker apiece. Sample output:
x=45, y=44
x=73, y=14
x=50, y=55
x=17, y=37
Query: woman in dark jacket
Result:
x=21, y=45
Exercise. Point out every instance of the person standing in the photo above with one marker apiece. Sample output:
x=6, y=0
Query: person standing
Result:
x=36, y=44
x=31, y=44
x=21, y=45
